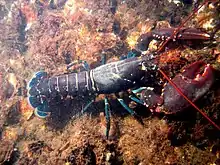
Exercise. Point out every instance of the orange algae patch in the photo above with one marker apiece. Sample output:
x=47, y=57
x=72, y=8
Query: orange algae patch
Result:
x=170, y=56
x=12, y=80
x=73, y=10
x=25, y=109
x=12, y=133
x=132, y=39
x=30, y=14
x=142, y=28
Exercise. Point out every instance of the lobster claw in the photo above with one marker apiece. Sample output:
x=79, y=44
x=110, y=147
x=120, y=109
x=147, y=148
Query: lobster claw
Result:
x=194, y=82
x=192, y=34
x=184, y=36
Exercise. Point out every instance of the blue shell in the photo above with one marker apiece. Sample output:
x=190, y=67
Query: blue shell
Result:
x=40, y=104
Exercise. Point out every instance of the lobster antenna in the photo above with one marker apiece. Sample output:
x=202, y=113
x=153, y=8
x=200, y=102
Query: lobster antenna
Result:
x=169, y=80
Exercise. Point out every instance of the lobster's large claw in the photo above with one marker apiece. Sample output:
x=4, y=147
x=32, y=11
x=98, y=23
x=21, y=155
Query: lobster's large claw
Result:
x=193, y=82
x=192, y=34
x=185, y=36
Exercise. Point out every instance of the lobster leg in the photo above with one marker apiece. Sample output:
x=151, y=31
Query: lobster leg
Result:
x=131, y=54
x=136, y=99
x=121, y=101
x=103, y=59
x=83, y=63
x=107, y=117
x=107, y=106
x=135, y=91
x=133, y=113
x=87, y=106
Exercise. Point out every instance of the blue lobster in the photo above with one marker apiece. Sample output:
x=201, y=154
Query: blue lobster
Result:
x=109, y=78
x=105, y=79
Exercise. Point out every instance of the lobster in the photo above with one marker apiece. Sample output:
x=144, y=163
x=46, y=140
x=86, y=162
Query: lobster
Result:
x=109, y=78
x=132, y=73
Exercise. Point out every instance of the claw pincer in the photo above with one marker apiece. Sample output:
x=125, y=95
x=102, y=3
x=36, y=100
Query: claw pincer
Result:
x=193, y=82
x=184, y=36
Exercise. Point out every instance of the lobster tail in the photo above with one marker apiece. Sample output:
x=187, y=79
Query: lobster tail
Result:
x=44, y=90
x=37, y=101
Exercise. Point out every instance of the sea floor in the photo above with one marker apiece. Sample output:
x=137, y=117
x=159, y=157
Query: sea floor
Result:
x=48, y=35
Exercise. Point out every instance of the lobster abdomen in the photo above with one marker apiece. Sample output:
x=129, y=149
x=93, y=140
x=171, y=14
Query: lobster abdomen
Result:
x=42, y=90
x=72, y=84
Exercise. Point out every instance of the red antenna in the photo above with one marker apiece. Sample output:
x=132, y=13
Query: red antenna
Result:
x=170, y=81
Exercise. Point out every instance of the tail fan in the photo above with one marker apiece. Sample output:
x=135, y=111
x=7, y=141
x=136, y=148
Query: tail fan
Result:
x=35, y=99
